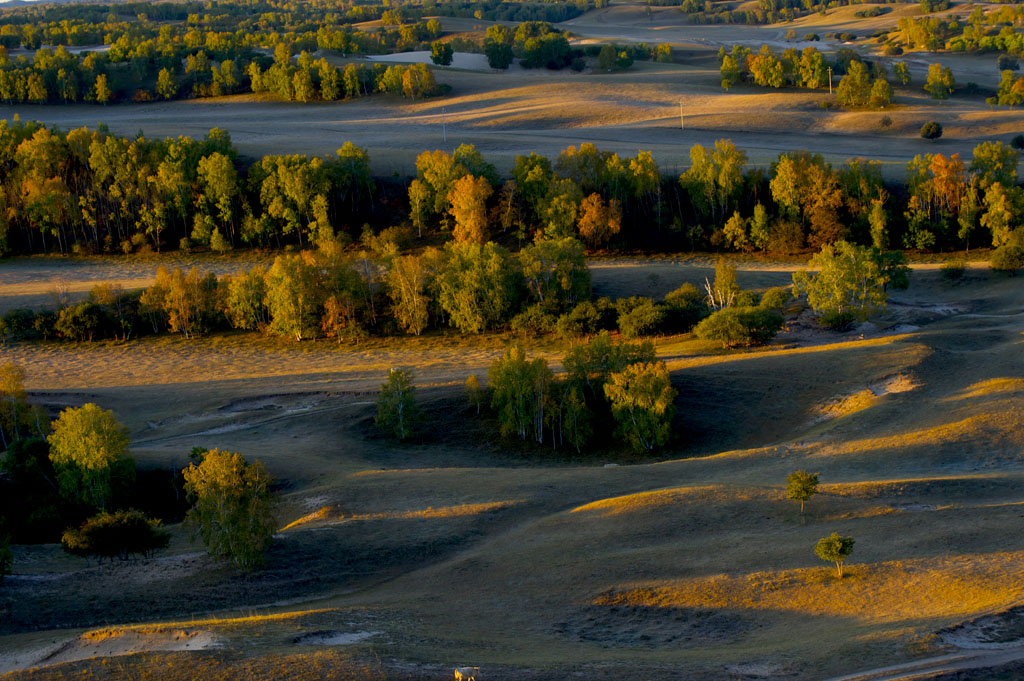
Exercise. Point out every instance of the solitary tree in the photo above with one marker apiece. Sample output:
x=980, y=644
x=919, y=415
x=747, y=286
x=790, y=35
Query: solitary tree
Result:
x=940, y=83
x=932, y=130
x=801, y=486
x=396, y=407
x=89, y=452
x=834, y=549
x=233, y=507
x=474, y=392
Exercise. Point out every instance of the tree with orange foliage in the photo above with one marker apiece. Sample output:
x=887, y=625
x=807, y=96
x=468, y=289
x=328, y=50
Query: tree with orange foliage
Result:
x=599, y=221
x=468, y=199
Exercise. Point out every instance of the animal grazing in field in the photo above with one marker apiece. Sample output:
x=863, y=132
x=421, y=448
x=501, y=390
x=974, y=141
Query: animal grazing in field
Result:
x=467, y=674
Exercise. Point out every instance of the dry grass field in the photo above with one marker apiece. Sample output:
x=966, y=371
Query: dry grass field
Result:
x=462, y=548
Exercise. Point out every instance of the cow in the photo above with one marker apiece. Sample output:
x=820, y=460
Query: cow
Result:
x=467, y=674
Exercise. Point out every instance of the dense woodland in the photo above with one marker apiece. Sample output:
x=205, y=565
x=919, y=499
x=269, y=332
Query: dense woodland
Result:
x=159, y=51
x=88, y=191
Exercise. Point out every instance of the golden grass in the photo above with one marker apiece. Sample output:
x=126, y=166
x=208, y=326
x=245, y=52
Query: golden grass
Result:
x=332, y=515
x=645, y=501
x=993, y=386
x=220, y=622
x=888, y=592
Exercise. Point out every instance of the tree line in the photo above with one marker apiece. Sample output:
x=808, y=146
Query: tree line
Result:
x=90, y=192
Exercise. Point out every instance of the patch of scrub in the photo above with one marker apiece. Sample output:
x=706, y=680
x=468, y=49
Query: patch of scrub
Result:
x=334, y=638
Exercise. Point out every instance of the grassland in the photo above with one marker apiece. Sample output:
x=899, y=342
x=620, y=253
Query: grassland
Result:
x=462, y=548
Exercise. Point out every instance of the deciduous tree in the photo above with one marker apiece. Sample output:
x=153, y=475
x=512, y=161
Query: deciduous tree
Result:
x=89, y=451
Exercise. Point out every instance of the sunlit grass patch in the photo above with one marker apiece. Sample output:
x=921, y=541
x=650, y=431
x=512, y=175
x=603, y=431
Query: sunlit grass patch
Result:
x=1003, y=387
x=886, y=592
x=331, y=515
x=707, y=494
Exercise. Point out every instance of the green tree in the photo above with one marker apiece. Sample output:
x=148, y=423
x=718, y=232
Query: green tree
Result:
x=89, y=452
x=901, y=73
x=295, y=295
x=498, y=46
x=940, y=83
x=474, y=392
x=740, y=325
x=233, y=507
x=834, y=549
x=606, y=58
x=397, y=413
x=16, y=415
x=245, y=299
x=166, y=85
x=931, y=130
x=855, y=87
x=881, y=93
x=641, y=396
x=801, y=486
x=116, y=535
x=730, y=72
x=441, y=53
x=477, y=286
x=556, y=273
x=519, y=393
x=407, y=281
x=848, y=284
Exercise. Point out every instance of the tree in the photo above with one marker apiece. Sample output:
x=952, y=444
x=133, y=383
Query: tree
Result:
x=555, y=272
x=295, y=293
x=730, y=72
x=742, y=325
x=766, y=70
x=834, y=549
x=642, y=396
x=474, y=393
x=498, y=46
x=441, y=53
x=881, y=93
x=801, y=486
x=468, y=199
x=116, y=535
x=89, y=451
x=849, y=283
x=407, y=282
x=16, y=415
x=721, y=294
x=397, y=412
x=931, y=130
x=477, y=286
x=101, y=90
x=901, y=73
x=940, y=83
x=166, y=86
x=855, y=87
x=598, y=222
x=606, y=58
x=232, y=507
x=519, y=392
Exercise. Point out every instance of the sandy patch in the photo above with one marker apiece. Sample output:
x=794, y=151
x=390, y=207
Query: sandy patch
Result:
x=108, y=643
x=850, y=403
x=992, y=632
x=334, y=638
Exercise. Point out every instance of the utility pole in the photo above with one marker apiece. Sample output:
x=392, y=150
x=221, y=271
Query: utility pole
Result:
x=680, y=114
x=830, y=80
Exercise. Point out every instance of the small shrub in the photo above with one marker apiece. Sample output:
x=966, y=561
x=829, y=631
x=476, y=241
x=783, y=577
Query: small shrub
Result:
x=931, y=130
x=953, y=270
x=892, y=50
x=116, y=535
x=578, y=64
x=687, y=305
x=1007, y=62
x=740, y=326
x=747, y=299
x=1017, y=142
x=533, y=321
x=776, y=298
x=811, y=36
x=1007, y=259
x=582, y=320
x=885, y=122
x=643, y=319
